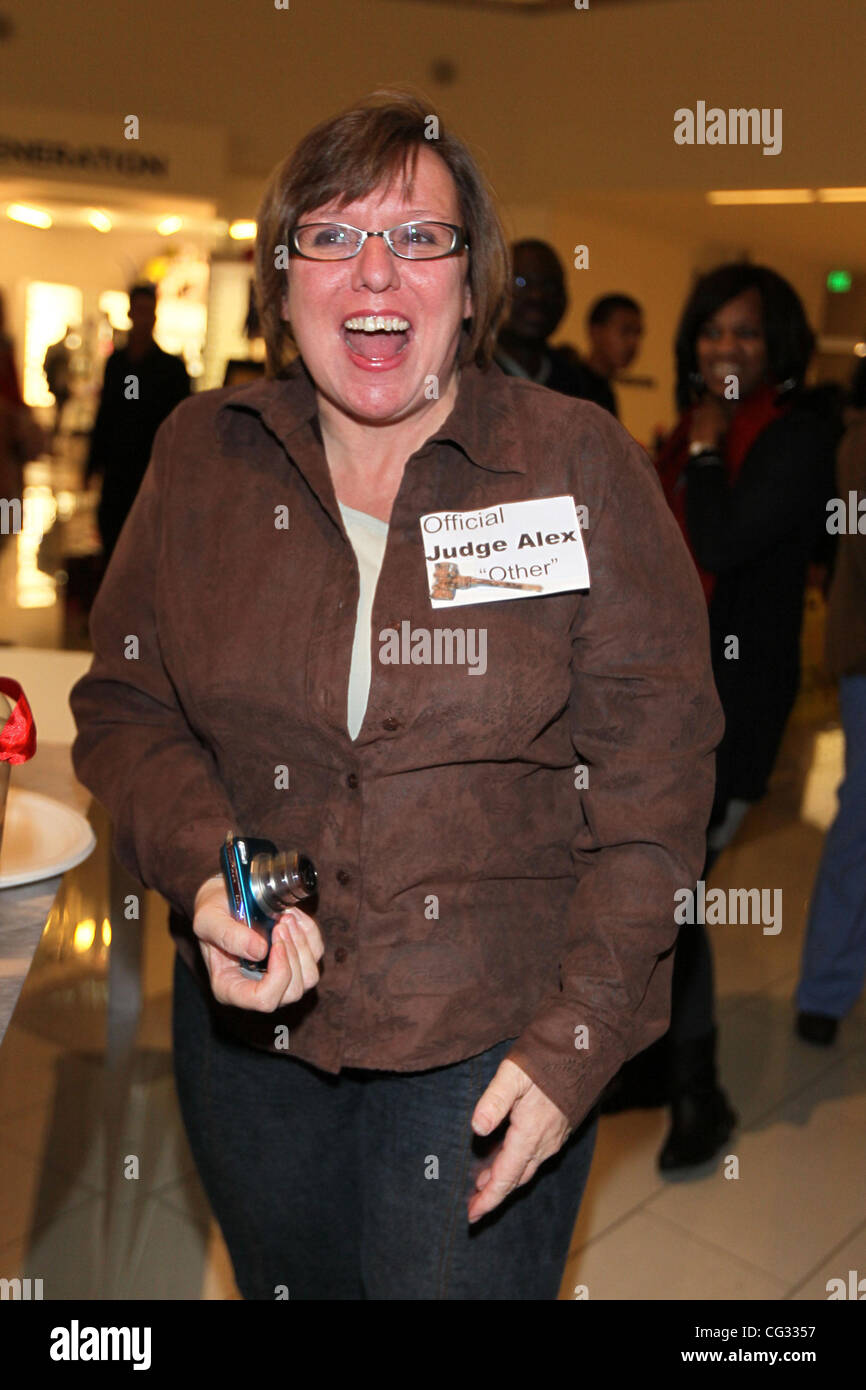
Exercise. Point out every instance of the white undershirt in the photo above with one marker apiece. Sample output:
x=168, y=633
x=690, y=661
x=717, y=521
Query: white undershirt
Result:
x=369, y=536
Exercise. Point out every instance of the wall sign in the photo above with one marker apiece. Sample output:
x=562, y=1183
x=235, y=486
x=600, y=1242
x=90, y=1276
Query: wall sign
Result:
x=57, y=154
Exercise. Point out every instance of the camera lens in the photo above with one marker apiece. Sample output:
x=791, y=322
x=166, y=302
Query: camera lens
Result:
x=307, y=874
x=279, y=881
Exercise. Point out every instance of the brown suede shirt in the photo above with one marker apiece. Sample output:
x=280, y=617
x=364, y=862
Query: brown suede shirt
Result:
x=472, y=888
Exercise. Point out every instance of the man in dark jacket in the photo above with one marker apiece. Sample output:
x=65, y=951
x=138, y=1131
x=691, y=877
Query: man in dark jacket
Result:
x=539, y=301
x=142, y=386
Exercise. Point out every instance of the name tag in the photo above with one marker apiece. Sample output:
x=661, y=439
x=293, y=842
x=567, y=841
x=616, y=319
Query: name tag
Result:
x=516, y=550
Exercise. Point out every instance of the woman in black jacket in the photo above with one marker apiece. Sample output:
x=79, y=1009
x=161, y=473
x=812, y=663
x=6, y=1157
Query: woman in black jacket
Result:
x=746, y=472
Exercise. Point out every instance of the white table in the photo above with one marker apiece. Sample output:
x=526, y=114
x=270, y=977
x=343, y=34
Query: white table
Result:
x=24, y=911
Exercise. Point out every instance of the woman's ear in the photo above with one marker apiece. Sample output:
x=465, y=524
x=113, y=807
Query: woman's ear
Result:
x=467, y=301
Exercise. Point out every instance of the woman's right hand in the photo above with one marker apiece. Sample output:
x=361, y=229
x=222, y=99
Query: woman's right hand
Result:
x=296, y=949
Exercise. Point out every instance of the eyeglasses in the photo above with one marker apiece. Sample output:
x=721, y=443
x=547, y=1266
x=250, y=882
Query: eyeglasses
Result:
x=412, y=241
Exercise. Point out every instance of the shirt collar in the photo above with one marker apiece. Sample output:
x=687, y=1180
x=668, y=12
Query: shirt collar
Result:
x=483, y=423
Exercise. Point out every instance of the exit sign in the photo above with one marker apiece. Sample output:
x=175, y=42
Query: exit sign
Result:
x=838, y=282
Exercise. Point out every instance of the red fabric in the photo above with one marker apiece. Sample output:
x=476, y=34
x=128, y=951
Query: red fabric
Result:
x=18, y=735
x=753, y=416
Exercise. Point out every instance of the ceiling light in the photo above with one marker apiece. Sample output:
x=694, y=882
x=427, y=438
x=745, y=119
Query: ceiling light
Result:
x=169, y=225
x=242, y=231
x=722, y=197
x=34, y=217
x=99, y=220
x=842, y=195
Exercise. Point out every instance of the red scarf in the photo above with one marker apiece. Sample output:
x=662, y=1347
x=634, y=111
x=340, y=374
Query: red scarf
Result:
x=753, y=416
x=18, y=734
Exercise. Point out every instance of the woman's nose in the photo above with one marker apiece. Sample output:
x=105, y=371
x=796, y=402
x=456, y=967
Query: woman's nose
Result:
x=375, y=267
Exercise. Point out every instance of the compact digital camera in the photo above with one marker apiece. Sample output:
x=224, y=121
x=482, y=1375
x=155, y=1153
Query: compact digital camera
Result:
x=261, y=882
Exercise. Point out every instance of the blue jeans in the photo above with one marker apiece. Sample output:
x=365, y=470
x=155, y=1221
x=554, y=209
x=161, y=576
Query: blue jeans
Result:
x=356, y=1186
x=834, y=955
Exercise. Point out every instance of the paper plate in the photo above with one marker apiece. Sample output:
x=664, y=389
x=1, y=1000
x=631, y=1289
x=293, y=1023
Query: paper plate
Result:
x=41, y=838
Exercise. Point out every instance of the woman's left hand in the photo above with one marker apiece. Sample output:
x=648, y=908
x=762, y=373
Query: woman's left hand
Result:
x=537, y=1130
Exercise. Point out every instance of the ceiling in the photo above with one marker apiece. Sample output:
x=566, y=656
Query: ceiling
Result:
x=831, y=234
x=527, y=6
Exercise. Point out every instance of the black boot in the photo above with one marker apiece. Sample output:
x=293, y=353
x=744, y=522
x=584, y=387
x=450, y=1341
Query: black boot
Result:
x=820, y=1029
x=642, y=1083
x=702, y=1118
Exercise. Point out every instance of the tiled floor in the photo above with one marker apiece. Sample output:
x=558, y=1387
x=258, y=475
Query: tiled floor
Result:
x=788, y=1215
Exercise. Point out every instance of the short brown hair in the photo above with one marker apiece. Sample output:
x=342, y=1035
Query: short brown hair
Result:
x=345, y=158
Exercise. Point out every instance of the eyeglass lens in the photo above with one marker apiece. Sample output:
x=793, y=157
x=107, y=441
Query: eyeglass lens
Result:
x=329, y=241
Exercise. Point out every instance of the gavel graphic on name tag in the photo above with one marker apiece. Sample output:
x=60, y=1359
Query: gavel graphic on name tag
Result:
x=447, y=579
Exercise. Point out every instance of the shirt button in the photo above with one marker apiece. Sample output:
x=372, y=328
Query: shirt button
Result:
x=340, y=954
x=390, y=724
x=352, y=780
x=343, y=876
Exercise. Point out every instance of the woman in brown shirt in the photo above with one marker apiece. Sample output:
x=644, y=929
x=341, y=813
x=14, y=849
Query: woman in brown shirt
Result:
x=403, y=1107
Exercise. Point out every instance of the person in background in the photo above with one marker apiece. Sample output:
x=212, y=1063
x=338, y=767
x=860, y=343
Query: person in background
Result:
x=21, y=438
x=615, y=328
x=10, y=388
x=538, y=303
x=834, y=952
x=56, y=368
x=142, y=385
x=746, y=471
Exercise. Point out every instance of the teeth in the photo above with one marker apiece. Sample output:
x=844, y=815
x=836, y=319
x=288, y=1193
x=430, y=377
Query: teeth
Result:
x=376, y=323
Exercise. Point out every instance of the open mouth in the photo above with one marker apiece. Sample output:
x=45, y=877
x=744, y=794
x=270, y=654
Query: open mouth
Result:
x=377, y=337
